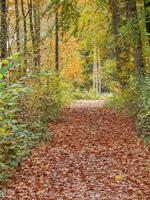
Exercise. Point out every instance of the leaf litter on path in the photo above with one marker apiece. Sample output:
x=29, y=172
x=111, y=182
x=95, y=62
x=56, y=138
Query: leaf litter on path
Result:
x=94, y=155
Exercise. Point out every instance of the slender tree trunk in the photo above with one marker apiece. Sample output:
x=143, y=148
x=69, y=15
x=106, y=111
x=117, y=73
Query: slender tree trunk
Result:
x=115, y=27
x=99, y=73
x=35, y=32
x=25, y=32
x=56, y=42
x=30, y=5
x=36, y=12
x=17, y=26
x=147, y=11
x=8, y=46
x=3, y=38
x=95, y=73
x=38, y=34
x=135, y=35
x=94, y=69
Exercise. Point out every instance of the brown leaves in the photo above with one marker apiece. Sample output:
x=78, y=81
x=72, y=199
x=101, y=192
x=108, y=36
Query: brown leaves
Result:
x=91, y=149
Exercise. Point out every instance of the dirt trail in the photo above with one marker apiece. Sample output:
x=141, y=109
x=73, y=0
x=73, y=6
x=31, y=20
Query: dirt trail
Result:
x=94, y=155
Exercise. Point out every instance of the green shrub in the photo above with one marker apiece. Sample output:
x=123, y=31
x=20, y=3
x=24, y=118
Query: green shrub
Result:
x=125, y=102
x=48, y=95
x=85, y=95
x=13, y=133
x=27, y=104
x=136, y=101
x=143, y=107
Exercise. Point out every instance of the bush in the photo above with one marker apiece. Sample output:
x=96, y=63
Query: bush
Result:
x=14, y=136
x=124, y=100
x=136, y=101
x=85, y=95
x=143, y=108
x=27, y=104
x=49, y=93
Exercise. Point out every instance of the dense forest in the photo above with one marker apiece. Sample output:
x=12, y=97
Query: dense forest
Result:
x=55, y=52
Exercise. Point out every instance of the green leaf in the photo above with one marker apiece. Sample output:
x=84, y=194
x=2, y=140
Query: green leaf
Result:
x=1, y=76
x=4, y=61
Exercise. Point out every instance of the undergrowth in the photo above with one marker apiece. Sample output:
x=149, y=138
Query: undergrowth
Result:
x=135, y=100
x=27, y=105
x=85, y=95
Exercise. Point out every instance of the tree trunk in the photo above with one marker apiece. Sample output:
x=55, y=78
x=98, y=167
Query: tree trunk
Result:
x=99, y=73
x=147, y=11
x=96, y=73
x=3, y=37
x=135, y=35
x=37, y=32
x=38, y=35
x=30, y=6
x=115, y=28
x=56, y=42
x=25, y=33
x=94, y=70
x=121, y=51
x=17, y=26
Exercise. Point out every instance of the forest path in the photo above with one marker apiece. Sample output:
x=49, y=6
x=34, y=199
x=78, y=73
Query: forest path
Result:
x=94, y=155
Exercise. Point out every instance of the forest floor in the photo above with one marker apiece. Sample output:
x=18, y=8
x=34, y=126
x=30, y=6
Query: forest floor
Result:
x=94, y=155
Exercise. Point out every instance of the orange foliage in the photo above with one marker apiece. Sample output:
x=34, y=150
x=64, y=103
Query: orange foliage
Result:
x=71, y=66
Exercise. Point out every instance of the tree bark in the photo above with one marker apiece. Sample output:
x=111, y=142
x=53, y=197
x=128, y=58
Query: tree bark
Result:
x=147, y=11
x=121, y=50
x=56, y=42
x=115, y=29
x=17, y=26
x=99, y=73
x=3, y=38
x=96, y=72
x=25, y=33
x=135, y=35
x=38, y=35
x=30, y=6
x=36, y=11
